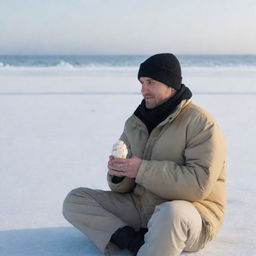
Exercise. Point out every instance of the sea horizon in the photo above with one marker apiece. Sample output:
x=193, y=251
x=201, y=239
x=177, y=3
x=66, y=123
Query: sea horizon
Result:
x=123, y=60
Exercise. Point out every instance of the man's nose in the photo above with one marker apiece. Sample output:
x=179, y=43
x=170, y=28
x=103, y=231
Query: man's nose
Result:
x=143, y=88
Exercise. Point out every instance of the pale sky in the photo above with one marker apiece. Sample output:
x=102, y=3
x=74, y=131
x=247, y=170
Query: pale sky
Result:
x=127, y=26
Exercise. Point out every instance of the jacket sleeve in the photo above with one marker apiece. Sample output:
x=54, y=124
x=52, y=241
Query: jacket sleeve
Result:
x=123, y=184
x=204, y=159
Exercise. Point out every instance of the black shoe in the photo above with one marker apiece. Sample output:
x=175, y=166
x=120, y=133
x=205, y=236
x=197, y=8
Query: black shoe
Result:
x=127, y=238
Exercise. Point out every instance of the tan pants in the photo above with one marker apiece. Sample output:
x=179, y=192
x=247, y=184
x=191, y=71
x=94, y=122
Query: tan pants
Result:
x=173, y=227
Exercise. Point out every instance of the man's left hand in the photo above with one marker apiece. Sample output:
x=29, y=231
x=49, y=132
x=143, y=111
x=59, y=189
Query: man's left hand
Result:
x=124, y=167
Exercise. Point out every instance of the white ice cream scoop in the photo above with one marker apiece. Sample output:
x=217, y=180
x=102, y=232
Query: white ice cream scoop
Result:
x=119, y=149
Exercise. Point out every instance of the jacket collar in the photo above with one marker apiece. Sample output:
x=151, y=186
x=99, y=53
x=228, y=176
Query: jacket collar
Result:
x=173, y=115
x=140, y=125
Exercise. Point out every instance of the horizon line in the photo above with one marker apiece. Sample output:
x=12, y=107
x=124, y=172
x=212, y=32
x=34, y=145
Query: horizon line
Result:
x=125, y=54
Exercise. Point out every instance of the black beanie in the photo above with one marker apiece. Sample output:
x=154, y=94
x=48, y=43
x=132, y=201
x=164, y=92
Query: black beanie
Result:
x=163, y=67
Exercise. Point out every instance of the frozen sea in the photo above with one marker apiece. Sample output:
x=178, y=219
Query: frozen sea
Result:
x=57, y=127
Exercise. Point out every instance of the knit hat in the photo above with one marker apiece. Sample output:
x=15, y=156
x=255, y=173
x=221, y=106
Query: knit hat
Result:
x=163, y=67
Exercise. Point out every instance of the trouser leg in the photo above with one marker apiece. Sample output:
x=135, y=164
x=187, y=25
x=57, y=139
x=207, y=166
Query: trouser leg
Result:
x=174, y=226
x=89, y=216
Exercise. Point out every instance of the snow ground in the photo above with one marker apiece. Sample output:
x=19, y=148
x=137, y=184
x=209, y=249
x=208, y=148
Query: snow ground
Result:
x=56, y=132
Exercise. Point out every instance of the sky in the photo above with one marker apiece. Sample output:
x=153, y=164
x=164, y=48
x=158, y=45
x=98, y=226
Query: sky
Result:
x=127, y=26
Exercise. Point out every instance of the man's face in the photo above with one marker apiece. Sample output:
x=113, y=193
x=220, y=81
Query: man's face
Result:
x=154, y=92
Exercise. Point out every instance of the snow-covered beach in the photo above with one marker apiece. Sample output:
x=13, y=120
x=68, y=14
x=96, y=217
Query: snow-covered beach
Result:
x=56, y=132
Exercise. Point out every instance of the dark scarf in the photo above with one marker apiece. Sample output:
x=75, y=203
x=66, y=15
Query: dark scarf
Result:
x=152, y=117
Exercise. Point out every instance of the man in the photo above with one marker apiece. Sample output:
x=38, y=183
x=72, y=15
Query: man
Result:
x=169, y=194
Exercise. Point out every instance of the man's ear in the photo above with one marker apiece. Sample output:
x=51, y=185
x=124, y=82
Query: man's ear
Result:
x=173, y=91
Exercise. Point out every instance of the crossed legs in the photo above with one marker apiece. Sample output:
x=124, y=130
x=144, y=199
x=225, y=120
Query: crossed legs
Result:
x=174, y=226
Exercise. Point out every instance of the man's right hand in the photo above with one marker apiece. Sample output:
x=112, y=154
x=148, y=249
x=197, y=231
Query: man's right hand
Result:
x=124, y=167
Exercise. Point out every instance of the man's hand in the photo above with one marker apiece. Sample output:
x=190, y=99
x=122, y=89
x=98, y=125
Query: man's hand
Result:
x=124, y=167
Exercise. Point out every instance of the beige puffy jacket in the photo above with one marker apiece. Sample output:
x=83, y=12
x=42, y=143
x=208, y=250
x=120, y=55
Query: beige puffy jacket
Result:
x=183, y=159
